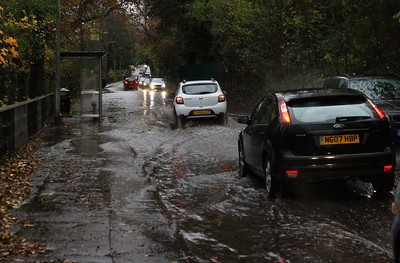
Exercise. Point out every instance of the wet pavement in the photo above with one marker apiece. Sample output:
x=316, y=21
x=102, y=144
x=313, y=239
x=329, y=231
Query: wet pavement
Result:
x=135, y=189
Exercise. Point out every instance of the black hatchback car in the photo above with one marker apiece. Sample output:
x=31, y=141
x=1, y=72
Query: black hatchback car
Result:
x=314, y=135
x=383, y=90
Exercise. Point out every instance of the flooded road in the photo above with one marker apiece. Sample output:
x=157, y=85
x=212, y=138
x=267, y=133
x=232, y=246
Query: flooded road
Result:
x=135, y=189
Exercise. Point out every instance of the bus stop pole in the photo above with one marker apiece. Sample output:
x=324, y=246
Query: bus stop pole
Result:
x=57, y=116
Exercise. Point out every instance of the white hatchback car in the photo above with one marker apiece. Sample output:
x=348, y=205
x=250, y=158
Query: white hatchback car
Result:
x=199, y=99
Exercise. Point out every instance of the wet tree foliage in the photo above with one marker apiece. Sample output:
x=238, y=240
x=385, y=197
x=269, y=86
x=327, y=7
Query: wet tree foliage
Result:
x=31, y=26
x=257, y=42
x=276, y=40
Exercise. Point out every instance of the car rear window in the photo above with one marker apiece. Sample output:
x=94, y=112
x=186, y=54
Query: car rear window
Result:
x=385, y=89
x=196, y=89
x=330, y=109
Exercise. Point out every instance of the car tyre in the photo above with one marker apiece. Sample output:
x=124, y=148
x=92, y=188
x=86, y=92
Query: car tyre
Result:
x=223, y=119
x=396, y=241
x=273, y=186
x=242, y=161
x=180, y=121
x=383, y=184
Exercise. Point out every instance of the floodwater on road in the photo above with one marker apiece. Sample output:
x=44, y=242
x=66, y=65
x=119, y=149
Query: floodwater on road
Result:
x=135, y=189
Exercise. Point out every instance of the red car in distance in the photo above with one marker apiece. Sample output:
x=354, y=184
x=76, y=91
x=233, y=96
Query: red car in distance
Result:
x=131, y=83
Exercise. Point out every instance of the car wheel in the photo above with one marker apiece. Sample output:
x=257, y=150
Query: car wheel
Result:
x=223, y=119
x=273, y=186
x=180, y=122
x=242, y=161
x=396, y=240
x=268, y=179
x=383, y=184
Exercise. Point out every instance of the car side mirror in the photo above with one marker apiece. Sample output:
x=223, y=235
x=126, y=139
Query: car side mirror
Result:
x=243, y=119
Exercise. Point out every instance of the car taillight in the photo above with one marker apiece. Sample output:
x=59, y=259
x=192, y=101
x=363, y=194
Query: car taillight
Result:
x=291, y=173
x=285, y=116
x=377, y=109
x=221, y=98
x=179, y=100
x=387, y=168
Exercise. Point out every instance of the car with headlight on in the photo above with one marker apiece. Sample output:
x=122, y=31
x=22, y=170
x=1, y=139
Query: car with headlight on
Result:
x=157, y=84
x=144, y=82
x=199, y=99
x=315, y=135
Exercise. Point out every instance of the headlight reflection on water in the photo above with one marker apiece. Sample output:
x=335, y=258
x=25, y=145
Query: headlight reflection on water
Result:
x=150, y=97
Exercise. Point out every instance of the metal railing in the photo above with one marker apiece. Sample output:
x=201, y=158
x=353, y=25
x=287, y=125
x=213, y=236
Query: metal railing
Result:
x=21, y=121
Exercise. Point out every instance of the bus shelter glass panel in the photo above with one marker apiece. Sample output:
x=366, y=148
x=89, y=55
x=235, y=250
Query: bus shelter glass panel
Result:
x=90, y=82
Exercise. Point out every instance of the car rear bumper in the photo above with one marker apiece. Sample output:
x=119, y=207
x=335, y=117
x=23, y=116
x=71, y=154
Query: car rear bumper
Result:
x=188, y=112
x=362, y=166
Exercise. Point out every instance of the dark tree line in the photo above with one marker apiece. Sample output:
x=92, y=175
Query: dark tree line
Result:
x=261, y=44
x=277, y=41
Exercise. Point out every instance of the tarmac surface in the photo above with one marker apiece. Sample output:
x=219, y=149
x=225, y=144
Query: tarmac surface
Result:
x=88, y=203
x=133, y=188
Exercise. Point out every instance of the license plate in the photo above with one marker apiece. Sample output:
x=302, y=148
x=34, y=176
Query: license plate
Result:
x=201, y=112
x=339, y=139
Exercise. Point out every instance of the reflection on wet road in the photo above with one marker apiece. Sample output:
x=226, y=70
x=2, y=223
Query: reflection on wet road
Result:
x=221, y=217
x=150, y=100
x=141, y=191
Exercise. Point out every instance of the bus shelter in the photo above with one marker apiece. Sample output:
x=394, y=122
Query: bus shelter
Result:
x=90, y=81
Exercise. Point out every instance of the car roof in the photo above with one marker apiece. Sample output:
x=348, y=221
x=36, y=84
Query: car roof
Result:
x=316, y=92
x=369, y=76
x=199, y=81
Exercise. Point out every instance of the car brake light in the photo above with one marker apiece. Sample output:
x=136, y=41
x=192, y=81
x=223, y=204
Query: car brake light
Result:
x=377, y=109
x=291, y=173
x=221, y=98
x=179, y=100
x=285, y=117
x=387, y=168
